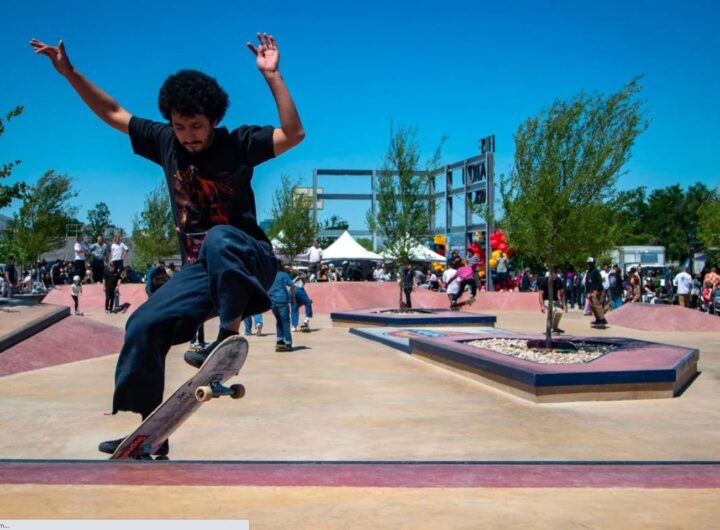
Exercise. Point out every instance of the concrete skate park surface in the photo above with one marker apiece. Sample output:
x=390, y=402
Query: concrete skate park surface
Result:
x=348, y=433
x=132, y=296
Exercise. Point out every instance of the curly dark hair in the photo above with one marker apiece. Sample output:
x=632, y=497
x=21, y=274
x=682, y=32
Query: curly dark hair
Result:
x=191, y=92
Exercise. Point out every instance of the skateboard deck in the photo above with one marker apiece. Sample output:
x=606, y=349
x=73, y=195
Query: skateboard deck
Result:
x=224, y=362
x=469, y=301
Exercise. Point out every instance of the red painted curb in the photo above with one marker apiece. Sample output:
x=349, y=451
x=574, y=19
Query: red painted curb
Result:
x=381, y=475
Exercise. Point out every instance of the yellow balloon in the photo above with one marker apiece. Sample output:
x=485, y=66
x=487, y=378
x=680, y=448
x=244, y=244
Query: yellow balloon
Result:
x=481, y=273
x=493, y=263
x=496, y=254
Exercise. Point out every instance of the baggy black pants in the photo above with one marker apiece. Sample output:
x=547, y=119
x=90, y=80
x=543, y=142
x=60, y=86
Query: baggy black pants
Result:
x=229, y=279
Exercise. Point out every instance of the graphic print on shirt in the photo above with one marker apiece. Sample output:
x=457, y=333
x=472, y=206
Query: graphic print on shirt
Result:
x=201, y=202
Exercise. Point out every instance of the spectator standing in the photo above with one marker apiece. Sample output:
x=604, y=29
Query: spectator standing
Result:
x=683, y=284
x=634, y=289
x=616, y=287
x=594, y=287
x=408, y=284
x=281, y=294
x=80, y=250
x=315, y=255
x=118, y=253
x=501, y=269
x=11, y=275
x=111, y=277
x=559, y=302
x=99, y=251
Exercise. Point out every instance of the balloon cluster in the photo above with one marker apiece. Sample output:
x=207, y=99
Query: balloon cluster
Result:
x=478, y=251
x=439, y=245
x=499, y=247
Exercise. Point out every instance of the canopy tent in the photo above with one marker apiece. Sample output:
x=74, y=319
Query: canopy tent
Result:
x=418, y=253
x=346, y=248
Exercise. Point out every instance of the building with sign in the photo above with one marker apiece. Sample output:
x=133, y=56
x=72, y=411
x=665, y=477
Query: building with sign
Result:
x=461, y=189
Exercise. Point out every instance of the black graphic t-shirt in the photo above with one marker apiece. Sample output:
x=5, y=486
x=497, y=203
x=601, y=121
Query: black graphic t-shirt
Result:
x=211, y=187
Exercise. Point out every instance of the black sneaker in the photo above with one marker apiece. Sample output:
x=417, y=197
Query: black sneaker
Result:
x=110, y=446
x=282, y=347
x=197, y=357
x=558, y=330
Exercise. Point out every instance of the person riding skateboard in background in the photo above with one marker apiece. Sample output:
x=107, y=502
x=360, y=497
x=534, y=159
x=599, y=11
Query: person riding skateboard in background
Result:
x=208, y=169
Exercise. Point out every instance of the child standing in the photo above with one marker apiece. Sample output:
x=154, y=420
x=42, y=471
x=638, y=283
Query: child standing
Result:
x=75, y=292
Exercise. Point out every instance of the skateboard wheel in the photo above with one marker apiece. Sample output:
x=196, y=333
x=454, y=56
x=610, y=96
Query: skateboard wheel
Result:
x=238, y=391
x=203, y=393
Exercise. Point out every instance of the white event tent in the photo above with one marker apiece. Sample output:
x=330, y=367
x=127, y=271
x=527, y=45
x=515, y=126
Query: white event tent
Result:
x=418, y=253
x=346, y=248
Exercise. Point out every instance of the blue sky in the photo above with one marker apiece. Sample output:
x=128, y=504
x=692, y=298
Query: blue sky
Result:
x=458, y=69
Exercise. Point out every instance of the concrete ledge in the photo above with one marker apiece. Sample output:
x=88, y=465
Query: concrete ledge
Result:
x=636, y=370
x=43, y=316
x=422, y=317
x=399, y=338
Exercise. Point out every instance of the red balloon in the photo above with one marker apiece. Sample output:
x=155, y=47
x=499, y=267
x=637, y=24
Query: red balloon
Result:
x=494, y=245
x=510, y=252
x=503, y=246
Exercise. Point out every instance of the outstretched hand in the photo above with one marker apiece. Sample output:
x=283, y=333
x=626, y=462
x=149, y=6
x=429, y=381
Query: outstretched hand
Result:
x=267, y=54
x=57, y=55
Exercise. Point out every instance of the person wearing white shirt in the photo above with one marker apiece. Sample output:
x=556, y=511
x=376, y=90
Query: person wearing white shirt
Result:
x=683, y=282
x=451, y=281
x=80, y=250
x=118, y=253
x=315, y=255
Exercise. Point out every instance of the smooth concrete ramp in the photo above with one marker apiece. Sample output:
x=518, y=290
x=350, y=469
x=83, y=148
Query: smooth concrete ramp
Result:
x=70, y=340
x=20, y=320
x=662, y=317
x=132, y=296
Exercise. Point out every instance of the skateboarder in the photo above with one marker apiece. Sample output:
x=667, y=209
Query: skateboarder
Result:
x=208, y=169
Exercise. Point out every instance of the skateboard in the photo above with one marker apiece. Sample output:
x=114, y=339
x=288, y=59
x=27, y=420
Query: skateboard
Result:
x=469, y=301
x=304, y=328
x=224, y=362
x=599, y=326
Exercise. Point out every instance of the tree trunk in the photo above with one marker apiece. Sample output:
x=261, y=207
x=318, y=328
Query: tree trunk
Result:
x=551, y=307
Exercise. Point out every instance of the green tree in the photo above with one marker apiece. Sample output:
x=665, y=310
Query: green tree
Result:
x=8, y=193
x=98, y=220
x=334, y=222
x=405, y=207
x=708, y=232
x=39, y=225
x=154, y=235
x=558, y=200
x=673, y=218
x=292, y=222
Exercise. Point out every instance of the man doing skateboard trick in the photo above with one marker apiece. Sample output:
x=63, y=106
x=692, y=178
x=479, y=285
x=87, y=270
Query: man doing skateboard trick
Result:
x=228, y=260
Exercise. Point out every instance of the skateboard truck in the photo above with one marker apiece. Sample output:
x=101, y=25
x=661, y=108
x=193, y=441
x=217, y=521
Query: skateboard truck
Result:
x=216, y=389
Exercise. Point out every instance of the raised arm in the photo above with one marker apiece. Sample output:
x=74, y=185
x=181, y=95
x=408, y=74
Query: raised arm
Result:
x=291, y=131
x=100, y=102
